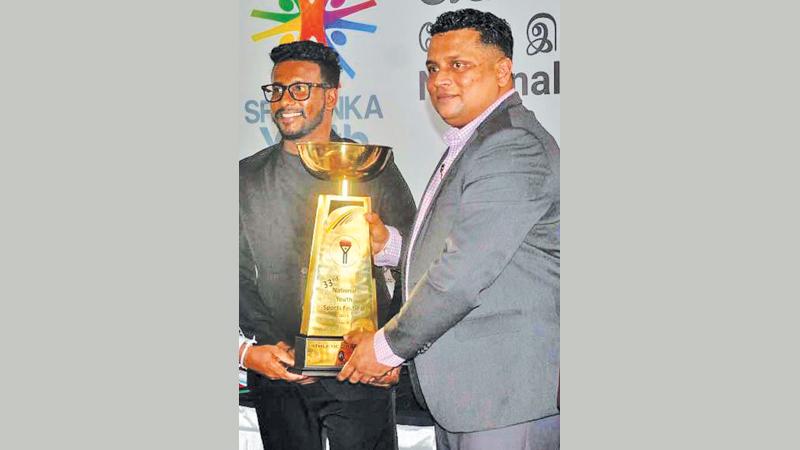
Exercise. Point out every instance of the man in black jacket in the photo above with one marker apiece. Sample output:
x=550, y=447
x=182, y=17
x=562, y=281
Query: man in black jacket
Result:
x=277, y=204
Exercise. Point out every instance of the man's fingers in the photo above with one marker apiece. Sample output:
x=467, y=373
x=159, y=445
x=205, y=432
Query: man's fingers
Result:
x=289, y=376
x=373, y=218
x=272, y=361
x=307, y=380
x=354, y=337
x=345, y=372
x=378, y=232
x=385, y=381
x=355, y=377
x=275, y=371
x=366, y=379
x=387, y=376
x=280, y=373
x=284, y=356
x=390, y=378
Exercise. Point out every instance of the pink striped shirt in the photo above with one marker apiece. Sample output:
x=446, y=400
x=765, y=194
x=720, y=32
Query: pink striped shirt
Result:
x=455, y=138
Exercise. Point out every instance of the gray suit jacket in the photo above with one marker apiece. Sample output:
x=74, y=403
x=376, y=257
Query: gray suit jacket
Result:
x=481, y=320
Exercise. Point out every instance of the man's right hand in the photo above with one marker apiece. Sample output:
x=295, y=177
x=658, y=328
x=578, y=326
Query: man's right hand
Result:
x=378, y=233
x=272, y=361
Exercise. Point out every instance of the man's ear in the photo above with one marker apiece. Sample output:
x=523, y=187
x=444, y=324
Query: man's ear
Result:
x=331, y=97
x=503, y=71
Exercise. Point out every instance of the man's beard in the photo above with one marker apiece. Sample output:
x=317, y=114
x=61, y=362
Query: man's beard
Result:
x=310, y=125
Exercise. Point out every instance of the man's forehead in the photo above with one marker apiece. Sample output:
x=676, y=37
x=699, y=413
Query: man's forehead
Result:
x=457, y=43
x=296, y=71
x=456, y=37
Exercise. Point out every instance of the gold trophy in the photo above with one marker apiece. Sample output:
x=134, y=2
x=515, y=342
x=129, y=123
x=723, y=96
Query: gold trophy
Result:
x=340, y=290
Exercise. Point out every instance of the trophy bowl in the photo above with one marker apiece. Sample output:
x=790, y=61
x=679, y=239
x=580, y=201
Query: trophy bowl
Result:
x=337, y=160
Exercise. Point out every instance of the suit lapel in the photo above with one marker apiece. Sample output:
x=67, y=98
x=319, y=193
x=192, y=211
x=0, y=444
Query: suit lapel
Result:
x=424, y=219
x=513, y=100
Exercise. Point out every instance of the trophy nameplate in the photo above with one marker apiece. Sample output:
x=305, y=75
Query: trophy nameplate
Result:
x=340, y=293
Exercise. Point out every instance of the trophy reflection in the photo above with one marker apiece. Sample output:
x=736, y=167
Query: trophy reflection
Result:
x=340, y=291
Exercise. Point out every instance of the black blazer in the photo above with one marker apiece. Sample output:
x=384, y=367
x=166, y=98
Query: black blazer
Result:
x=277, y=204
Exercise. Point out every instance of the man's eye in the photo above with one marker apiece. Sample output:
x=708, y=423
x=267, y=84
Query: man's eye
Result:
x=458, y=65
x=432, y=69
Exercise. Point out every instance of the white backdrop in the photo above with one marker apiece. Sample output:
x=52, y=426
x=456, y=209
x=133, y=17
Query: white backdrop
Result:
x=381, y=103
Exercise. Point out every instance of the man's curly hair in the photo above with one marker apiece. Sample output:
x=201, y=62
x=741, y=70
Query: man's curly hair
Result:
x=493, y=30
x=326, y=58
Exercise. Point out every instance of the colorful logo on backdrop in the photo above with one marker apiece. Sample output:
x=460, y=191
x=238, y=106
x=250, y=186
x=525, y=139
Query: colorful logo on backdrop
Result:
x=436, y=2
x=322, y=20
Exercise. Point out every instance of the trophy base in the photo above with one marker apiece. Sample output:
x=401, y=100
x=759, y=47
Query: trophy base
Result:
x=320, y=356
x=314, y=372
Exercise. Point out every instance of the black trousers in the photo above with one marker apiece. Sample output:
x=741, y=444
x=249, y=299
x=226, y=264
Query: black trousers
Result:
x=295, y=421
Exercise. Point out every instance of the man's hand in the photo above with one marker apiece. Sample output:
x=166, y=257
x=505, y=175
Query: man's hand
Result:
x=362, y=367
x=306, y=379
x=378, y=233
x=272, y=361
x=391, y=378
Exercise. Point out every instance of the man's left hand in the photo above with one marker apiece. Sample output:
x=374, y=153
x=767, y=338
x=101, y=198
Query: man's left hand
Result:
x=362, y=367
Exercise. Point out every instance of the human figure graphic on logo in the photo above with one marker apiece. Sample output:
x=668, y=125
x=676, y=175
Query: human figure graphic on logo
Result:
x=345, y=245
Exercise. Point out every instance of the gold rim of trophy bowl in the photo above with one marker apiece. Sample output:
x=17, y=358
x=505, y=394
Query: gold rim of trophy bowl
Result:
x=339, y=160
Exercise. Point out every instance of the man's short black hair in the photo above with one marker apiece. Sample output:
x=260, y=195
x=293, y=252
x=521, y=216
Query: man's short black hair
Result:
x=493, y=30
x=326, y=58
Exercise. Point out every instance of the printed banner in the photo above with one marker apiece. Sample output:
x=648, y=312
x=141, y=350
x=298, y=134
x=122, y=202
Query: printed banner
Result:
x=382, y=45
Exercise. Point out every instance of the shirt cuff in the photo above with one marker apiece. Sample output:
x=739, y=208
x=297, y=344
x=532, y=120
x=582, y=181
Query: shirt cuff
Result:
x=383, y=353
x=390, y=255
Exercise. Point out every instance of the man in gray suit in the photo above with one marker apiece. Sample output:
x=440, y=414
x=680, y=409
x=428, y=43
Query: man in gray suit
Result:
x=481, y=264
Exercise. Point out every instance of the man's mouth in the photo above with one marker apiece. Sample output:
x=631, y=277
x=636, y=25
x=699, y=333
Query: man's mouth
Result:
x=441, y=97
x=288, y=114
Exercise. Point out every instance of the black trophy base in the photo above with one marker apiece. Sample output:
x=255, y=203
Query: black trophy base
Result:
x=320, y=356
x=315, y=372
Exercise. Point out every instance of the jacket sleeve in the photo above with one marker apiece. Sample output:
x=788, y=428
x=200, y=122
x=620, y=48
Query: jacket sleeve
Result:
x=508, y=187
x=248, y=274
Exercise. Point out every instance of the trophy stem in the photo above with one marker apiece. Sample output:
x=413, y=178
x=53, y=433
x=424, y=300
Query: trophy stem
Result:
x=340, y=291
x=341, y=294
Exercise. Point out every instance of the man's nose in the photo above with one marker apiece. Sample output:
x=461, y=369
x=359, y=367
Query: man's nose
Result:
x=441, y=78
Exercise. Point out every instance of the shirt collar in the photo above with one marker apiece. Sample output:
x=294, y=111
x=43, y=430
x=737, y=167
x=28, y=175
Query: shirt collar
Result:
x=455, y=136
